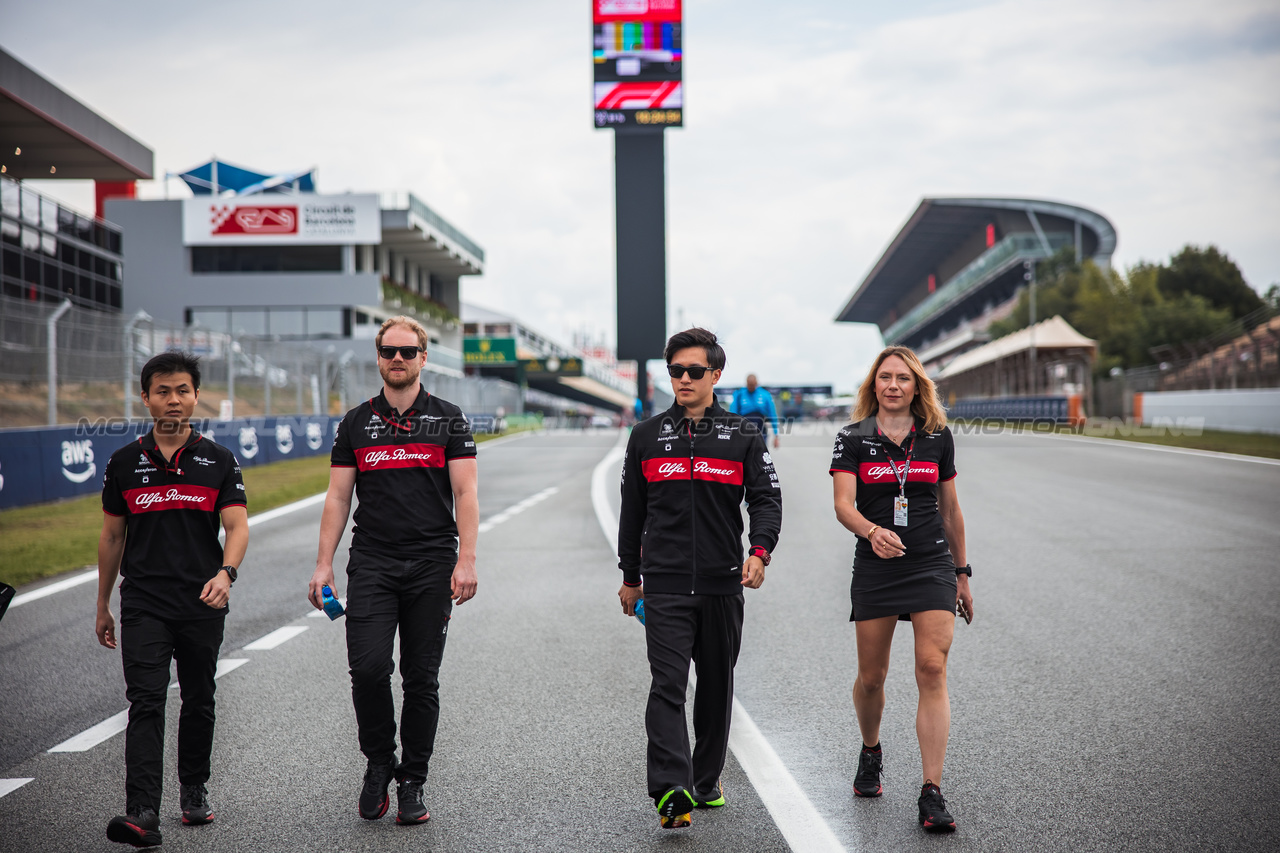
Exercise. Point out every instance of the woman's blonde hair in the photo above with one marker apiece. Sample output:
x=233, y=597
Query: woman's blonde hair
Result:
x=925, y=405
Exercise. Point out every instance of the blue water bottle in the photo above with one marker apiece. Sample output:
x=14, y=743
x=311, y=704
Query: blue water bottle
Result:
x=640, y=610
x=332, y=606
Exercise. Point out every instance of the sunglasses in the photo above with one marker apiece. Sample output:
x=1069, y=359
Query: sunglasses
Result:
x=695, y=371
x=407, y=353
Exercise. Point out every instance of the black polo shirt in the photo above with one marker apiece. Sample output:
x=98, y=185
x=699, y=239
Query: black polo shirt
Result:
x=171, y=510
x=401, y=459
x=861, y=449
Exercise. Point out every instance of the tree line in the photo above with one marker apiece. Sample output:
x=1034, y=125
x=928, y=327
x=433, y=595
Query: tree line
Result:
x=1194, y=295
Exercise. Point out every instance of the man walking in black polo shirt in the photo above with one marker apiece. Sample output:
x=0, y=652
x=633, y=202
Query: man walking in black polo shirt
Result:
x=680, y=530
x=410, y=458
x=162, y=499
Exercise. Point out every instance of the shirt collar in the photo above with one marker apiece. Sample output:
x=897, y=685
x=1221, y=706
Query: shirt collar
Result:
x=148, y=441
x=383, y=408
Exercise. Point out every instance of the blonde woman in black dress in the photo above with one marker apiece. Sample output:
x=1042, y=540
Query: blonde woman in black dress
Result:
x=894, y=479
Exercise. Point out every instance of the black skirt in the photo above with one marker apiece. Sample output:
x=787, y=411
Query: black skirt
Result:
x=899, y=588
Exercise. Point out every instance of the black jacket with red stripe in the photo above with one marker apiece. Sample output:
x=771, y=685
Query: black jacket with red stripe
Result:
x=682, y=486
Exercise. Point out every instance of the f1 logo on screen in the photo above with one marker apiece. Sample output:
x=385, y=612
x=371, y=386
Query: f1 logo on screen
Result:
x=638, y=60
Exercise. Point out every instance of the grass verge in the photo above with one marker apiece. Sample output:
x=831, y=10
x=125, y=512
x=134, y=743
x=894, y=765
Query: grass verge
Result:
x=47, y=539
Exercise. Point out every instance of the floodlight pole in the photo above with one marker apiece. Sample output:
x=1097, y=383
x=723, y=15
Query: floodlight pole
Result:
x=51, y=337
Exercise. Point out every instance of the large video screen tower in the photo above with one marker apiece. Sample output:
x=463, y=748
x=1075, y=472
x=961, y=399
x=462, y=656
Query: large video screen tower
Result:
x=637, y=57
x=637, y=54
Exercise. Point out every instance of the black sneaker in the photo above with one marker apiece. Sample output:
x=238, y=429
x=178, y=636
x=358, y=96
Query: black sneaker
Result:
x=374, y=799
x=867, y=782
x=412, y=811
x=137, y=826
x=712, y=800
x=934, y=816
x=195, y=805
x=674, y=809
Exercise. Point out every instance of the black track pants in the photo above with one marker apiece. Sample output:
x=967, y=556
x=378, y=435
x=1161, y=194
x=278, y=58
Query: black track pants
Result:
x=706, y=629
x=381, y=596
x=147, y=644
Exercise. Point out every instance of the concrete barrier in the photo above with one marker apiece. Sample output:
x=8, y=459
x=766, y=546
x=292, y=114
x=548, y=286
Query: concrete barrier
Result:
x=1244, y=410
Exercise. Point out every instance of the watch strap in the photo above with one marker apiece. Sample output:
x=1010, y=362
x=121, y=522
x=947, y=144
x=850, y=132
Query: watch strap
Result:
x=231, y=572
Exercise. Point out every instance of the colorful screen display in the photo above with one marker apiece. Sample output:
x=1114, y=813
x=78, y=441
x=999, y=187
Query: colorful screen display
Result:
x=637, y=54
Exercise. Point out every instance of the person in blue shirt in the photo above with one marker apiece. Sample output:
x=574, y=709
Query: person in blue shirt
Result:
x=756, y=405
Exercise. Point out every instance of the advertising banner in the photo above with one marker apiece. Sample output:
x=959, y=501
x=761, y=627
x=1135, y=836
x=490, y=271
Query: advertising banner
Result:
x=638, y=55
x=277, y=220
x=51, y=463
x=492, y=352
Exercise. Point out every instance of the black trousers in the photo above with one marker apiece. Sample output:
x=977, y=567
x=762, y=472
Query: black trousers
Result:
x=147, y=644
x=706, y=629
x=414, y=596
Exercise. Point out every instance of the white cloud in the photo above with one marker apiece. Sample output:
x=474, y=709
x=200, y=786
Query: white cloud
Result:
x=813, y=130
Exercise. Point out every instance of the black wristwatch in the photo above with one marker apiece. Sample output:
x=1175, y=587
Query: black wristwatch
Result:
x=231, y=572
x=757, y=551
x=966, y=569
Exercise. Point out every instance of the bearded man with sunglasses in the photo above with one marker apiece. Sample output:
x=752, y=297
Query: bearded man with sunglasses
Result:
x=410, y=457
x=680, y=535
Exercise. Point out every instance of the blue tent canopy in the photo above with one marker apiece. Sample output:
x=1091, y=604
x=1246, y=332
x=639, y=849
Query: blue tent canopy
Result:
x=244, y=181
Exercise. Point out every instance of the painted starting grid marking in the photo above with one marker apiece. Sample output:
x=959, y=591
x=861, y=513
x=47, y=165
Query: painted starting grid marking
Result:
x=112, y=726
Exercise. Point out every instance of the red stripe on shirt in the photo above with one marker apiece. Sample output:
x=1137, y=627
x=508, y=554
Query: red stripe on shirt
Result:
x=715, y=470
x=400, y=456
x=881, y=472
x=156, y=498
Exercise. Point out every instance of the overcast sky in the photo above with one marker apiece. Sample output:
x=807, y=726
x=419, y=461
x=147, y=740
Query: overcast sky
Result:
x=812, y=131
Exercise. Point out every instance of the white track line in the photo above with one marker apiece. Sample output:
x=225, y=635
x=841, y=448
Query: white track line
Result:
x=113, y=725
x=36, y=595
x=516, y=509
x=796, y=818
x=1159, y=448
x=8, y=786
x=276, y=638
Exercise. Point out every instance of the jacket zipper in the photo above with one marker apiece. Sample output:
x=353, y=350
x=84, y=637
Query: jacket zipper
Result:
x=693, y=580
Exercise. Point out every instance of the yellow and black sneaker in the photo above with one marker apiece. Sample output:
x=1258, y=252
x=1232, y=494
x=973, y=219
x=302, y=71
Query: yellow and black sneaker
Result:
x=712, y=800
x=674, y=808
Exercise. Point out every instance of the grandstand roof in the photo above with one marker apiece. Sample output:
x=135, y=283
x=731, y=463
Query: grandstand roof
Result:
x=947, y=238
x=60, y=137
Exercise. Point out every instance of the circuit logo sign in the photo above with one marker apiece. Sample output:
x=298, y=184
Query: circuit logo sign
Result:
x=260, y=219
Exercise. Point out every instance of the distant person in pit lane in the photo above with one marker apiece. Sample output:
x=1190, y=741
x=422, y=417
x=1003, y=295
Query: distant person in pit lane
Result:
x=684, y=476
x=410, y=458
x=163, y=497
x=894, y=480
x=756, y=405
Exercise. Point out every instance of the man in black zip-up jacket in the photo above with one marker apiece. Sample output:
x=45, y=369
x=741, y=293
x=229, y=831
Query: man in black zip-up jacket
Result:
x=680, y=534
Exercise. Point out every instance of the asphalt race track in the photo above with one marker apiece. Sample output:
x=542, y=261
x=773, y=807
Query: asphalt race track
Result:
x=1116, y=691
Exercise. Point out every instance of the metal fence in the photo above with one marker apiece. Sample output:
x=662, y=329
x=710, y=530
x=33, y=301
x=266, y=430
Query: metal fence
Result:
x=98, y=356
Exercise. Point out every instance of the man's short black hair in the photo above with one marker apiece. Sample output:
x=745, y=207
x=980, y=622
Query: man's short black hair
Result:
x=696, y=337
x=173, y=361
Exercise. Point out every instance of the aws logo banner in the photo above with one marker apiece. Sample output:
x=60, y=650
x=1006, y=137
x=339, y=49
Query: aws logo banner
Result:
x=77, y=460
